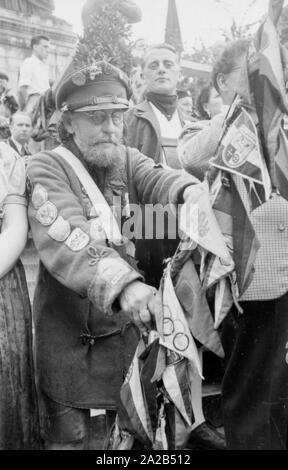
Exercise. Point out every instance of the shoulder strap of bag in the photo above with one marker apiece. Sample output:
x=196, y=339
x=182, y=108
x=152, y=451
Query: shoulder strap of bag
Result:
x=133, y=197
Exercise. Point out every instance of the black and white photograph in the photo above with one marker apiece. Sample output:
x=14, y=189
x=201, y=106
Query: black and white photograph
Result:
x=143, y=228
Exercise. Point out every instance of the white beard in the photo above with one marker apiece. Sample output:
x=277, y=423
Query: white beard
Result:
x=102, y=156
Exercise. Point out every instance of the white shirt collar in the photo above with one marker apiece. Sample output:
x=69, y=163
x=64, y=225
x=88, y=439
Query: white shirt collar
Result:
x=171, y=128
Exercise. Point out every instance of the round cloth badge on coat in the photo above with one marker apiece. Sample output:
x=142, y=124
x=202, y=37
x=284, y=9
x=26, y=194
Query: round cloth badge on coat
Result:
x=47, y=214
x=39, y=196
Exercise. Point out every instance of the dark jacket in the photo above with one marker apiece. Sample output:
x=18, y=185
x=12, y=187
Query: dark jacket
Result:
x=143, y=130
x=83, y=346
x=143, y=133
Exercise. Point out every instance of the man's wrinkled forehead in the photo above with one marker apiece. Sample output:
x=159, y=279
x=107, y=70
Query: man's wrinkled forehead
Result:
x=160, y=54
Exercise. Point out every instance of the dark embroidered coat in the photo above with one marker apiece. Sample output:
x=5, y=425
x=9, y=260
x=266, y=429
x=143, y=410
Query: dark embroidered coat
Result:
x=83, y=346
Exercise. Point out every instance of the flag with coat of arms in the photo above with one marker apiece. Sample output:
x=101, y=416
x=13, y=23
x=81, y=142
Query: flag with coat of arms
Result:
x=252, y=162
x=268, y=61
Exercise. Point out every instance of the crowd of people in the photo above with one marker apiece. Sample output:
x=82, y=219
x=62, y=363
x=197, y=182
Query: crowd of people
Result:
x=97, y=292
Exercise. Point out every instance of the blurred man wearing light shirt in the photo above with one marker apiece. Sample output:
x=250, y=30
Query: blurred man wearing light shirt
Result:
x=34, y=75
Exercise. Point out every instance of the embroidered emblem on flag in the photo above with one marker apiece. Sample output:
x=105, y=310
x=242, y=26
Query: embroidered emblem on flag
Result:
x=240, y=153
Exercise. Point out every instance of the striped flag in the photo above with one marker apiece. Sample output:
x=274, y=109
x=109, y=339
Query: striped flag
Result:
x=214, y=268
x=138, y=408
x=231, y=205
x=132, y=410
x=245, y=241
x=176, y=383
x=267, y=61
x=153, y=356
x=155, y=400
x=178, y=406
x=158, y=413
x=177, y=390
x=218, y=274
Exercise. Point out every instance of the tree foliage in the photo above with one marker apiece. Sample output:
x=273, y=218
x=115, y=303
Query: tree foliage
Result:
x=202, y=54
x=108, y=37
x=240, y=28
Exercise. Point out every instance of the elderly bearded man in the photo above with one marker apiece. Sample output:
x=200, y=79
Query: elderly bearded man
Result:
x=90, y=299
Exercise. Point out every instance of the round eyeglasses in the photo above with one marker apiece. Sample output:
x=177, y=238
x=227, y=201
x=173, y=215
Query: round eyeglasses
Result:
x=99, y=117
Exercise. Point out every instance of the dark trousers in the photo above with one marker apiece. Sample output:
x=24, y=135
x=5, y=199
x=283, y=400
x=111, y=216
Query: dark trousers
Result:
x=255, y=383
x=66, y=428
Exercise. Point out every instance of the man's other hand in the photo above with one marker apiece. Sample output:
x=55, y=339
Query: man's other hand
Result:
x=143, y=303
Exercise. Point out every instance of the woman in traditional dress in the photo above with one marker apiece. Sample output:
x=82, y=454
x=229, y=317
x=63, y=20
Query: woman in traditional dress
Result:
x=18, y=405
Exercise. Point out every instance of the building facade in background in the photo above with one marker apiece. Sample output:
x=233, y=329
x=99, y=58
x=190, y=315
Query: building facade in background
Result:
x=17, y=26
